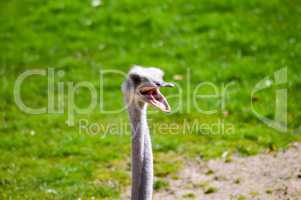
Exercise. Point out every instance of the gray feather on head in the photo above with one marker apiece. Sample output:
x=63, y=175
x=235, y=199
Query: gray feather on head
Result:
x=143, y=86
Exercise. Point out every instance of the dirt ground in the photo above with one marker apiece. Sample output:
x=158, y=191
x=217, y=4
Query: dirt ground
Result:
x=268, y=176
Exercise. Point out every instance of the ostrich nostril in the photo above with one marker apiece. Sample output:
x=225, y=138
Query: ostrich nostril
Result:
x=159, y=84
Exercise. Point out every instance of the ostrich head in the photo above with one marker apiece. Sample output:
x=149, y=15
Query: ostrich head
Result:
x=143, y=87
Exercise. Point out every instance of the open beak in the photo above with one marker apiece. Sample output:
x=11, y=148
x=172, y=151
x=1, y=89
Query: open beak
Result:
x=154, y=97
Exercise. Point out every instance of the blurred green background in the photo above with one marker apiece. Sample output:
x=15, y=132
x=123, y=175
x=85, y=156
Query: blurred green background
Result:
x=220, y=41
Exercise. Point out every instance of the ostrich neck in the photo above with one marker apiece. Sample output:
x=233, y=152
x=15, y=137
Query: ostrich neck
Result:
x=142, y=158
x=138, y=115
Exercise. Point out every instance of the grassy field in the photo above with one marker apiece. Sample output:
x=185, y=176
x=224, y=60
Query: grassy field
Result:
x=220, y=41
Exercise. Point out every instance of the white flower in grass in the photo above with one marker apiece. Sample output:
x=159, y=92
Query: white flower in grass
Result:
x=96, y=3
x=52, y=191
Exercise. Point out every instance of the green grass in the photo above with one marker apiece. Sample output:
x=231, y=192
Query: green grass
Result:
x=220, y=41
x=160, y=184
x=189, y=195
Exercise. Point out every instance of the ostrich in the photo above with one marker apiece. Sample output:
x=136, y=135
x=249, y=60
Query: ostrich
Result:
x=140, y=89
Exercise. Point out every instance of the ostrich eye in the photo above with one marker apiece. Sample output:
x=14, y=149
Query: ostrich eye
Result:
x=136, y=79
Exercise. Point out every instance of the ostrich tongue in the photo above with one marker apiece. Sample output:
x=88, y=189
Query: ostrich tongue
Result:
x=155, y=98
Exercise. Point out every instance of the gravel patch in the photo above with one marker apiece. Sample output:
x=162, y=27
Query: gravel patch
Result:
x=268, y=176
